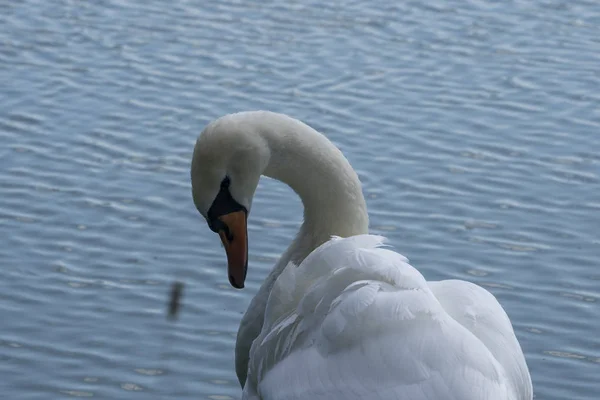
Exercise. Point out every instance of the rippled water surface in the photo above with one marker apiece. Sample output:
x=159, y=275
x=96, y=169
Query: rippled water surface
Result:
x=474, y=126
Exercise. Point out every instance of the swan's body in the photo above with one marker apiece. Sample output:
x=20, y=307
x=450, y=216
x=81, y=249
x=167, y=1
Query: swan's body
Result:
x=345, y=318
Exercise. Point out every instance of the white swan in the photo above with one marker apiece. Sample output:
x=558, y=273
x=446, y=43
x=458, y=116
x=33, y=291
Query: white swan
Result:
x=343, y=318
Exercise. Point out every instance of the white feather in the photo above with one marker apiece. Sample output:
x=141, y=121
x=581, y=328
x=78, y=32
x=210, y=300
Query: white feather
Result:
x=368, y=325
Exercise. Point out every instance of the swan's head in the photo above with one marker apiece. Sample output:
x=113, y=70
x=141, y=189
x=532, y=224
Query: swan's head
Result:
x=229, y=158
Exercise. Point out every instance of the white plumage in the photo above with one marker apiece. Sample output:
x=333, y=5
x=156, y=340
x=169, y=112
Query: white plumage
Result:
x=349, y=318
x=356, y=321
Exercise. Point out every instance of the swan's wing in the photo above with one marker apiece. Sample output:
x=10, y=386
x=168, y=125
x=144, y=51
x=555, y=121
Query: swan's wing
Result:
x=366, y=326
x=478, y=310
x=383, y=352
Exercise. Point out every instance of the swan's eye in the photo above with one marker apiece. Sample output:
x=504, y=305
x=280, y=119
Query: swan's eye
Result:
x=223, y=204
x=225, y=182
x=216, y=225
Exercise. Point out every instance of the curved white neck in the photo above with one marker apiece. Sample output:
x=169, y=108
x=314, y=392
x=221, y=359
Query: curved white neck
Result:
x=330, y=191
x=323, y=178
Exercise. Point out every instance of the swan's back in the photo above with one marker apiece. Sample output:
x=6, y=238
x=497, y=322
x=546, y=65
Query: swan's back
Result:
x=356, y=321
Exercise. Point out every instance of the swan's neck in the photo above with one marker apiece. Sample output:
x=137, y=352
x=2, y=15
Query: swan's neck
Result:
x=320, y=174
x=331, y=194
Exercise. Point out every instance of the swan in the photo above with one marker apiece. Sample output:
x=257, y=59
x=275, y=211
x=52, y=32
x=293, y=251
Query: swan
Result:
x=341, y=315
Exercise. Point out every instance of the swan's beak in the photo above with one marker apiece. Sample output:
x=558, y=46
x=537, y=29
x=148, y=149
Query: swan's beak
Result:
x=236, y=246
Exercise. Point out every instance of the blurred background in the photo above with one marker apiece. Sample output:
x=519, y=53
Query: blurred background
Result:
x=474, y=127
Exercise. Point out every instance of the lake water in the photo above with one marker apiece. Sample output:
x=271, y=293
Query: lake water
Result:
x=474, y=126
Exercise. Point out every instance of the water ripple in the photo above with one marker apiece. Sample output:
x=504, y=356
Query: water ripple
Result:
x=473, y=127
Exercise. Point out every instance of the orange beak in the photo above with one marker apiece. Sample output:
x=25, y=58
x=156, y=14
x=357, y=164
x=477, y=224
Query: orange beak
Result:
x=235, y=241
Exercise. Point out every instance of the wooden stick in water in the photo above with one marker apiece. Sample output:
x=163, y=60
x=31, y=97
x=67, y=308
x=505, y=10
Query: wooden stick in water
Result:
x=175, y=299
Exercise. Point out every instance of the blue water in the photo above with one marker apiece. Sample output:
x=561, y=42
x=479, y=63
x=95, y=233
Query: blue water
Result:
x=474, y=126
